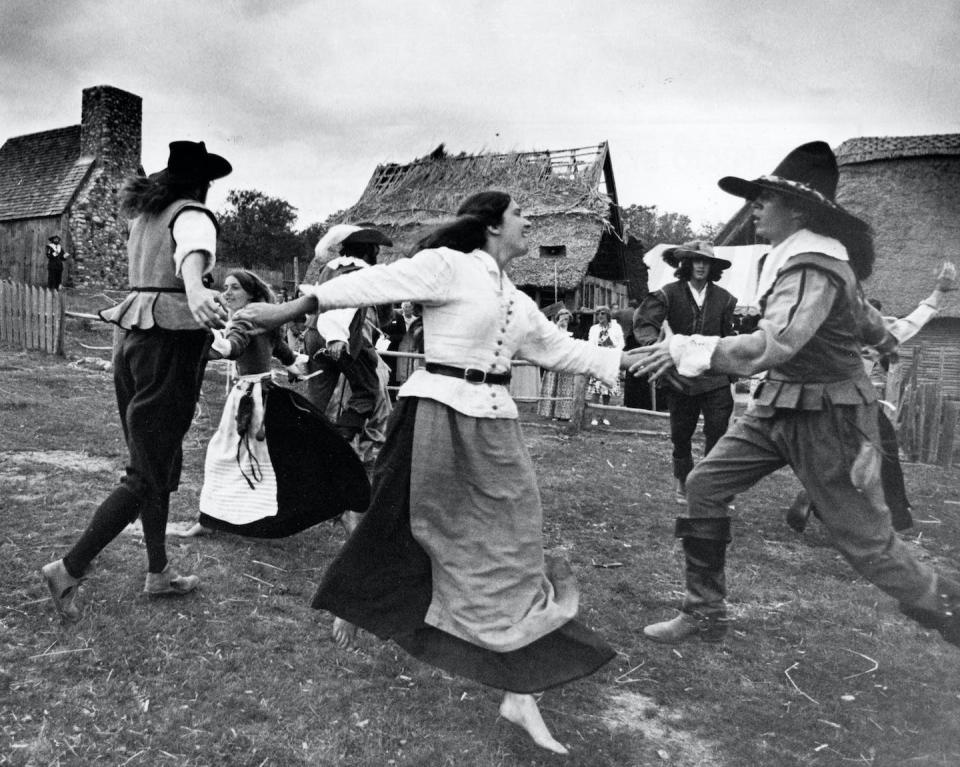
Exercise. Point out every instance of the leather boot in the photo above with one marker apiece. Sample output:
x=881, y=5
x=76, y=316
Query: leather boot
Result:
x=945, y=618
x=169, y=583
x=703, y=614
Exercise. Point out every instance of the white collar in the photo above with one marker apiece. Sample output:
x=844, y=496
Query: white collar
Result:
x=802, y=241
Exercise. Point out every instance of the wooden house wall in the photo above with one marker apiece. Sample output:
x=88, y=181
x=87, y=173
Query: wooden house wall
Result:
x=940, y=356
x=23, y=248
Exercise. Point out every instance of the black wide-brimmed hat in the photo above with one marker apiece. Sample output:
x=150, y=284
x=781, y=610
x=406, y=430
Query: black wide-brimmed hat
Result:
x=808, y=173
x=695, y=249
x=367, y=236
x=190, y=163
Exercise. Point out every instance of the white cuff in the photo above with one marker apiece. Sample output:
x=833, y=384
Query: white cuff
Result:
x=299, y=366
x=692, y=354
x=220, y=344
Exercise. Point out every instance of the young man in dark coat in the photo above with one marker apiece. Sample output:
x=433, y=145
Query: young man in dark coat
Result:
x=693, y=304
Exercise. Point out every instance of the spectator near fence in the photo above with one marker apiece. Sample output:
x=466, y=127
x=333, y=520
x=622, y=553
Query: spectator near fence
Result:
x=56, y=257
x=692, y=304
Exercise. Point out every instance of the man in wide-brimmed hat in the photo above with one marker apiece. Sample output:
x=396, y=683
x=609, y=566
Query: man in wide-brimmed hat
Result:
x=692, y=304
x=158, y=362
x=815, y=411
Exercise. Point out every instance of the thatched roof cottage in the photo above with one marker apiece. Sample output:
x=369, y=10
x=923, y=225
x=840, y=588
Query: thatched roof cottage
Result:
x=577, y=254
x=908, y=189
x=65, y=182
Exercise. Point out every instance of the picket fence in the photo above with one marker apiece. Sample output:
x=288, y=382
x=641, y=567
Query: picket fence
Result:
x=31, y=317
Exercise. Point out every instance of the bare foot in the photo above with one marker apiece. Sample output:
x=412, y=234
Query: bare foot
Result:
x=192, y=532
x=343, y=633
x=522, y=710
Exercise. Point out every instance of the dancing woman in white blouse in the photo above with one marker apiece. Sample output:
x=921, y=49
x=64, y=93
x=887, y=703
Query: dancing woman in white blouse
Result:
x=448, y=561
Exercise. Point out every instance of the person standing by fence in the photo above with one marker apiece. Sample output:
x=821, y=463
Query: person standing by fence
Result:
x=158, y=363
x=605, y=332
x=692, y=304
x=56, y=257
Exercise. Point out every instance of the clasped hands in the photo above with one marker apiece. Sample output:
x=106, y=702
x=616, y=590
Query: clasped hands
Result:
x=653, y=361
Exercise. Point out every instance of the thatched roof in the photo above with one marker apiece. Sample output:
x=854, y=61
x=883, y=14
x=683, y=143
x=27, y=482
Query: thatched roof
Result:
x=871, y=148
x=568, y=195
x=908, y=189
x=40, y=173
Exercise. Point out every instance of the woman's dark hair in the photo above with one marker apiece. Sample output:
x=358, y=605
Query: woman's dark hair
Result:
x=469, y=230
x=685, y=270
x=141, y=194
x=855, y=235
x=256, y=288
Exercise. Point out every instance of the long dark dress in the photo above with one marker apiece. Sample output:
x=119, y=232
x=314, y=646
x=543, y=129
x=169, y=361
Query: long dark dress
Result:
x=381, y=581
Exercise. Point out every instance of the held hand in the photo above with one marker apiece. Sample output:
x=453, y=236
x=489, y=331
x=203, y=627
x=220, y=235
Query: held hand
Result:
x=335, y=349
x=262, y=317
x=205, y=307
x=653, y=361
x=947, y=278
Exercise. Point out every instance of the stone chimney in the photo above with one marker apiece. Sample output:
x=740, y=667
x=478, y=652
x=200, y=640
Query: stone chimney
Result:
x=111, y=127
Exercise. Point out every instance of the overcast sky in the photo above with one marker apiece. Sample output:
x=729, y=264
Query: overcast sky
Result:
x=306, y=98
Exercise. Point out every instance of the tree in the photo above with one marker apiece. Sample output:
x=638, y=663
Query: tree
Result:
x=257, y=230
x=650, y=226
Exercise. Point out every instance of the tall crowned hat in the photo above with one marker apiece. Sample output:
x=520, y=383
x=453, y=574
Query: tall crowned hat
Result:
x=808, y=173
x=190, y=162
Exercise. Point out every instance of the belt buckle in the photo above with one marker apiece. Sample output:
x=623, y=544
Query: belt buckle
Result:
x=474, y=375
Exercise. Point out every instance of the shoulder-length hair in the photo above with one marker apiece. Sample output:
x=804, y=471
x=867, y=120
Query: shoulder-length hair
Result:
x=145, y=194
x=255, y=287
x=468, y=231
x=684, y=272
x=855, y=235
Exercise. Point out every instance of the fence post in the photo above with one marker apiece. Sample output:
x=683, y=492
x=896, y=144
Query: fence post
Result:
x=579, y=406
x=59, y=316
x=951, y=410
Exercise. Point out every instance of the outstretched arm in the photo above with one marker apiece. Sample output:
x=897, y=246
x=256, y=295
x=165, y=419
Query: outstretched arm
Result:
x=907, y=327
x=264, y=317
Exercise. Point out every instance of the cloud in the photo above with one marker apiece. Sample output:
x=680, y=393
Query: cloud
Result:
x=307, y=98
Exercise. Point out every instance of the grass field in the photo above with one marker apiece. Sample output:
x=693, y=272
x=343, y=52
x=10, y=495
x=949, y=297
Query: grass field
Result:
x=820, y=668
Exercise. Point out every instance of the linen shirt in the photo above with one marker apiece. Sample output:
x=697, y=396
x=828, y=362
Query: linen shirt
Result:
x=473, y=317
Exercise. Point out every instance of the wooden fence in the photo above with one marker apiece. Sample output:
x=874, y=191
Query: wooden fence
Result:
x=927, y=416
x=31, y=317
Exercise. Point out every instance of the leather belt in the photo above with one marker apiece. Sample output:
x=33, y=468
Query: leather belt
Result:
x=158, y=290
x=470, y=375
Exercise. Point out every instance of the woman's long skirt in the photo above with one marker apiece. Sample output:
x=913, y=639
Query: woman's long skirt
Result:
x=288, y=471
x=558, y=389
x=438, y=589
